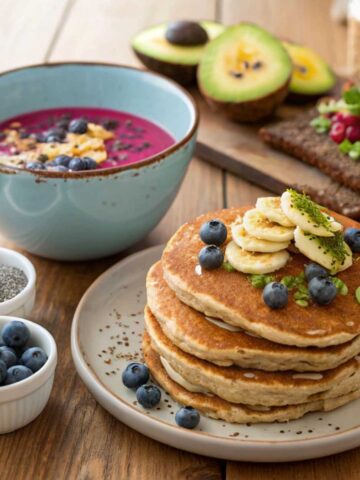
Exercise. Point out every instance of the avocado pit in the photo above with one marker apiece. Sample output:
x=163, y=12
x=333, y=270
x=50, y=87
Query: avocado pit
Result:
x=186, y=33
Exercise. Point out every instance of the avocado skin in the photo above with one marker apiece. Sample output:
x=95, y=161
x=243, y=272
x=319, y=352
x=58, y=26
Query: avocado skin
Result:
x=303, y=99
x=250, y=111
x=183, y=74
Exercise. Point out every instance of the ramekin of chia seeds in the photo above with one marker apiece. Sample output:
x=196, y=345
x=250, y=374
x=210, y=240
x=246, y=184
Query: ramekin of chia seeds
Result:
x=17, y=284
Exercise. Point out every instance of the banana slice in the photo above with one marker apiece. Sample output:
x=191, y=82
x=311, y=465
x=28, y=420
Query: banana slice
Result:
x=251, y=262
x=330, y=252
x=253, y=244
x=271, y=208
x=310, y=218
x=257, y=225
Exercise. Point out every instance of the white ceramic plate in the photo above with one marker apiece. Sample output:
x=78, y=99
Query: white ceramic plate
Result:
x=106, y=335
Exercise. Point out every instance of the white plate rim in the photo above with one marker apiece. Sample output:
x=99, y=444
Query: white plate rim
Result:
x=194, y=441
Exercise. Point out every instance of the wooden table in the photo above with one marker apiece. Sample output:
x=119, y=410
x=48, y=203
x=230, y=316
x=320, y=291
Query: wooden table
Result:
x=75, y=438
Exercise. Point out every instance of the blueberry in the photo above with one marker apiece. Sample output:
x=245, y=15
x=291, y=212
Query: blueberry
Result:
x=352, y=238
x=55, y=135
x=35, y=166
x=135, y=375
x=213, y=232
x=77, y=164
x=34, y=358
x=62, y=160
x=3, y=371
x=78, y=125
x=211, y=257
x=187, y=417
x=8, y=356
x=17, y=373
x=148, y=396
x=314, y=270
x=322, y=290
x=275, y=295
x=90, y=163
x=15, y=334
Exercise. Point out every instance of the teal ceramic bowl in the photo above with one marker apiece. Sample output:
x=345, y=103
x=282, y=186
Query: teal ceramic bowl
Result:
x=86, y=215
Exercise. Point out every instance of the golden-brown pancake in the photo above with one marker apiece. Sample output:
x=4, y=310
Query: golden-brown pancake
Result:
x=191, y=331
x=230, y=297
x=250, y=386
x=215, y=407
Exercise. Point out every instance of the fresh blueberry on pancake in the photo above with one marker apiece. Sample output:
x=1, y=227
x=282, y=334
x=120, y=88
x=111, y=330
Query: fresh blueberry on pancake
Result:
x=352, y=238
x=322, y=290
x=78, y=125
x=148, y=396
x=213, y=232
x=313, y=270
x=187, y=417
x=211, y=257
x=275, y=295
x=135, y=375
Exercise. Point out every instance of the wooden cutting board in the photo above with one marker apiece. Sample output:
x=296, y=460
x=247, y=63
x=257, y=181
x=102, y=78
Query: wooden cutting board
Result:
x=237, y=148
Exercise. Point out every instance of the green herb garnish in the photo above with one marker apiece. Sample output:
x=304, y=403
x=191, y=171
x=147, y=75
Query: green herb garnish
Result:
x=228, y=267
x=321, y=124
x=303, y=203
x=260, y=281
x=352, y=96
x=335, y=246
x=357, y=294
x=345, y=146
x=340, y=285
x=292, y=281
x=302, y=303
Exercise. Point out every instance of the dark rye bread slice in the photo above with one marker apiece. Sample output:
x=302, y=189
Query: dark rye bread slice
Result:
x=297, y=138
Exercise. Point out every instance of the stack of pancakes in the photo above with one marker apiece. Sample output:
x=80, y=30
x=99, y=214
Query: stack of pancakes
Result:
x=213, y=344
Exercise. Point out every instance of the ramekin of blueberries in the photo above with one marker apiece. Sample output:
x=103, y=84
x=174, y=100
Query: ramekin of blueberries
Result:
x=136, y=377
x=27, y=365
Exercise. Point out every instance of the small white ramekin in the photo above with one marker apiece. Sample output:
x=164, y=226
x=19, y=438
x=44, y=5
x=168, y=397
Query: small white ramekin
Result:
x=23, y=303
x=22, y=402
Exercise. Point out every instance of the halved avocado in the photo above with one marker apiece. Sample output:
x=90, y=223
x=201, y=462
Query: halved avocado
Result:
x=178, y=62
x=311, y=76
x=245, y=73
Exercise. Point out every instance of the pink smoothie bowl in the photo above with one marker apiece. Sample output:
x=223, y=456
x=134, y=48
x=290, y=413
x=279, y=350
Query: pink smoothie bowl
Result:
x=91, y=214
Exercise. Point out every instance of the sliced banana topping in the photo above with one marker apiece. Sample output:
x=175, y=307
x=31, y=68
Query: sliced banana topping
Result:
x=252, y=262
x=271, y=208
x=330, y=252
x=306, y=214
x=253, y=244
x=257, y=225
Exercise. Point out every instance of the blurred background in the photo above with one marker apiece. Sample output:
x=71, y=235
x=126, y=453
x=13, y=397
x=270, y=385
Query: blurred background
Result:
x=54, y=30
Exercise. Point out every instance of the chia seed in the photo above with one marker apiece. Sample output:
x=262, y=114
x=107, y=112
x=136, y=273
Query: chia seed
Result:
x=12, y=282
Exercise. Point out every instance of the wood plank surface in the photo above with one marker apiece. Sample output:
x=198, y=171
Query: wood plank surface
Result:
x=75, y=438
x=27, y=30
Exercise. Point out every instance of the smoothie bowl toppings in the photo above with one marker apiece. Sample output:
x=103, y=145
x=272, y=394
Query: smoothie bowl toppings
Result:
x=78, y=139
x=261, y=242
